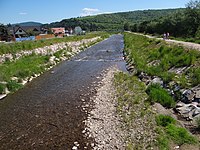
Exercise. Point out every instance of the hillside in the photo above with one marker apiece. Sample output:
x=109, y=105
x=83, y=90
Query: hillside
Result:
x=29, y=24
x=113, y=21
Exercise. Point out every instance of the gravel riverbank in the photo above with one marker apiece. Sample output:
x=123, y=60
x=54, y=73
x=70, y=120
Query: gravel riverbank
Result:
x=104, y=123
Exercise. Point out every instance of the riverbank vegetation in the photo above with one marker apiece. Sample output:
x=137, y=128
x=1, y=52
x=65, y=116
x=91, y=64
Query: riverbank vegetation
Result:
x=14, y=74
x=29, y=45
x=150, y=59
x=156, y=58
x=145, y=129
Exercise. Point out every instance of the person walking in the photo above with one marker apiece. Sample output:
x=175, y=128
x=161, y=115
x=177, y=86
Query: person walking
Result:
x=167, y=35
x=164, y=36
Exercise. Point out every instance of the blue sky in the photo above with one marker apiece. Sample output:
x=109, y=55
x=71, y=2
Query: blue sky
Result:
x=47, y=11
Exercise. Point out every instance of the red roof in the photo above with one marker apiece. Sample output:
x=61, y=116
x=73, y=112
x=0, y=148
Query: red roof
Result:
x=58, y=30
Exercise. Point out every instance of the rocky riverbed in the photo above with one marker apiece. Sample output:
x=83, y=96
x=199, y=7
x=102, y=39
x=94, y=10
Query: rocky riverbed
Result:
x=103, y=123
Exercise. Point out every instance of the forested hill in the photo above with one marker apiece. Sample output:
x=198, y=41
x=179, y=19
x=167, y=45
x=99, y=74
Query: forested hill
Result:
x=113, y=21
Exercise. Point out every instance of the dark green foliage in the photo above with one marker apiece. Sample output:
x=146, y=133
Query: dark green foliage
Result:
x=163, y=120
x=112, y=22
x=183, y=23
x=4, y=36
x=180, y=135
x=160, y=95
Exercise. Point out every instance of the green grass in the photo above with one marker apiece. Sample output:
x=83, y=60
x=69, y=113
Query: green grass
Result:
x=28, y=45
x=168, y=131
x=160, y=95
x=163, y=141
x=163, y=120
x=2, y=88
x=142, y=51
x=23, y=67
x=180, y=135
x=131, y=107
x=27, y=66
x=155, y=58
x=14, y=86
x=195, y=75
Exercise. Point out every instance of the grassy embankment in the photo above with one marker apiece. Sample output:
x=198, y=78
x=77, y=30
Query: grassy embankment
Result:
x=29, y=45
x=28, y=66
x=154, y=58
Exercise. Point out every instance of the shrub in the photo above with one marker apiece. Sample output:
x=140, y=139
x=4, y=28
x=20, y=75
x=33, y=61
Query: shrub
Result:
x=160, y=95
x=163, y=120
x=180, y=135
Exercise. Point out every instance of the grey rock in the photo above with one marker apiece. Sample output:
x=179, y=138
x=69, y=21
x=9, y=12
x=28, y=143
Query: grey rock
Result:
x=188, y=96
x=157, y=81
x=180, y=104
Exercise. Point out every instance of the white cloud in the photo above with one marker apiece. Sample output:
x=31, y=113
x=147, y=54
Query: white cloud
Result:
x=22, y=13
x=108, y=12
x=89, y=11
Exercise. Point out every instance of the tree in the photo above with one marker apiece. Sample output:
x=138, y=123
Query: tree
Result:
x=78, y=30
x=133, y=28
x=3, y=33
x=193, y=16
x=127, y=26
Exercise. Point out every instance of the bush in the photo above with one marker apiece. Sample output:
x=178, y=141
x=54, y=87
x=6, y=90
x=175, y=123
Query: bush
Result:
x=160, y=95
x=163, y=120
x=180, y=135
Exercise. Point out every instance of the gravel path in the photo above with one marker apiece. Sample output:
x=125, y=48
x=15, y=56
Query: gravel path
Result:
x=184, y=44
x=104, y=123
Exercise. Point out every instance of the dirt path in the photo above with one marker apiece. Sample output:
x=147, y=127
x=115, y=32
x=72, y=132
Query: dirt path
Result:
x=188, y=45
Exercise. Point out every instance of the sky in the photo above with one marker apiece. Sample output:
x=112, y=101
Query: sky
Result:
x=47, y=11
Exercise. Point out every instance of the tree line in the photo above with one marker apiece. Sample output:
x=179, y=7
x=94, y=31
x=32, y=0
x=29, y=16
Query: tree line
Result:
x=183, y=23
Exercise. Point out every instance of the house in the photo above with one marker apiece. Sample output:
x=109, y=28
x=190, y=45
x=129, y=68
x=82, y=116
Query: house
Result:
x=24, y=31
x=58, y=32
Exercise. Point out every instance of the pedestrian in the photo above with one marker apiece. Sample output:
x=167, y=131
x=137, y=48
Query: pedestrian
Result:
x=164, y=36
x=167, y=35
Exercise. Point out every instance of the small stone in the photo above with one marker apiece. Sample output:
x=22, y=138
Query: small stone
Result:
x=74, y=148
x=176, y=147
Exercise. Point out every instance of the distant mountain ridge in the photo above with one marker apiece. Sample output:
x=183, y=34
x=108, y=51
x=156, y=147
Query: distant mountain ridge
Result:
x=30, y=23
